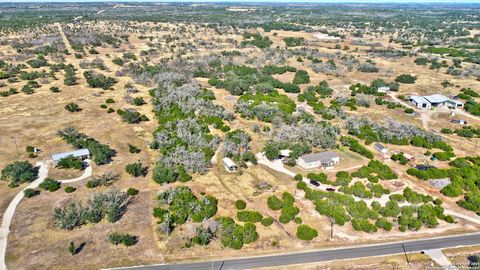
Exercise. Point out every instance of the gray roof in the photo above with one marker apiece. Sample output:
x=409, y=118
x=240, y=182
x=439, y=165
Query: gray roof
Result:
x=323, y=156
x=437, y=98
x=76, y=153
x=379, y=147
x=419, y=100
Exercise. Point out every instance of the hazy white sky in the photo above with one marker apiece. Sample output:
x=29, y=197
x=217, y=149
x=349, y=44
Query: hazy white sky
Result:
x=262, y=1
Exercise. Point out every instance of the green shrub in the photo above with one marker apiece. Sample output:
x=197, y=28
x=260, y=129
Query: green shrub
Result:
x=29, y=192
x=70, y=162
x=306, y=233
x=267, y=221
x=70, y=189
x=50, y=184
x=136, y=169
x=125, y=239
x=132, y=191
x=240, y=205
x=274, y=203
x=249, y=216
x=18, y=172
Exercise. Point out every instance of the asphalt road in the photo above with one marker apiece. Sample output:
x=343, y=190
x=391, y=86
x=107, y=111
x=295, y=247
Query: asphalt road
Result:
x=324, y=255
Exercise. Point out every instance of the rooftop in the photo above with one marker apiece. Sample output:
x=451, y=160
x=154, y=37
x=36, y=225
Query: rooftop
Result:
x=228, y=162
x=76, y=153
x=419, y=99
x=323, y=156
x=437, y=98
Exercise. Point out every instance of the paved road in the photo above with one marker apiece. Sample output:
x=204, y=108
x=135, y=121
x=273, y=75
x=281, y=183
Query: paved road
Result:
x=325, y=254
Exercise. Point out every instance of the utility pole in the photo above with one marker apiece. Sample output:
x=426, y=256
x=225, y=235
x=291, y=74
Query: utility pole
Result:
x=16, y=146
x=405, y=252
x=332, y=221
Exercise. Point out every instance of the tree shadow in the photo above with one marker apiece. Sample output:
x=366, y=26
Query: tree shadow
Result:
x=80, y=247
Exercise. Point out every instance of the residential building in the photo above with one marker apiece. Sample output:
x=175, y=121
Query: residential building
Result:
x=80, y=153
x=324, y=159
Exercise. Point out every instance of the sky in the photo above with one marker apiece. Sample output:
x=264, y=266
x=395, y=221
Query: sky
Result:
x=261, y=1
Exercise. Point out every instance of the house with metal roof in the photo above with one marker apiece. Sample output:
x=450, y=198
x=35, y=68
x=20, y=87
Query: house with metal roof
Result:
x=229, y=164
x=420, y=102
x=438, y=100
x=80, y=153
x=323, y=159
x=380, y=148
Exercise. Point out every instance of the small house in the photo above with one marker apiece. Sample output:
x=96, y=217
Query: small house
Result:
x=229, y=164
x=382, y=149
x=383, y=89
x=324, y=159
x=80, y=153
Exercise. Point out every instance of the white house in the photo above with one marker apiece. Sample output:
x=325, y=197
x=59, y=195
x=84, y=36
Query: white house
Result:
x=80, y=153
x=438, y=100
x=324, y=159
x=229, y=165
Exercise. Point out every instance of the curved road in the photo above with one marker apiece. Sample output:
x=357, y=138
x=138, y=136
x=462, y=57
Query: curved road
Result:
x=8, y=215
x=324, y=254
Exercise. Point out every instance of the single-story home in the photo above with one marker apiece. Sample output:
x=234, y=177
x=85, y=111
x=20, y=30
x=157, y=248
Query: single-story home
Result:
x=380, y=148
x=438, y=100
x=323, y=159
x=80, y=153
x=229, y=164
x=435, y=100
x=383, y=89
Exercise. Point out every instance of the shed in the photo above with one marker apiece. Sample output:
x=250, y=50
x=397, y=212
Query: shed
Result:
x=285, y=153
x=383, y=89
x=229, y=164
x=80, y=153
x=380, y=148
x=409, y=157
x=324, y=159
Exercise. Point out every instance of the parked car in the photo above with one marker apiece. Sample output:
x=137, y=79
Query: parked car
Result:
x=329, y=189
x=315, y=183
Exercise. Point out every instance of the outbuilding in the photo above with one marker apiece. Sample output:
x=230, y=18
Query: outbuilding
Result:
x=324, y=159
x=80, y=153
x=380, y=148
x=229, y=164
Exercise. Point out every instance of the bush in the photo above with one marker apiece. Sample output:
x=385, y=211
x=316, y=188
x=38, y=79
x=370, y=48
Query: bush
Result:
x=406, y=78
x=18, y=172
x=72, y=107
x=30, y=192
x=50, y=184
x=267, y=221
x=132, y=191
x=301, y=77
x=306, y=233
x=70, y=189
x=409, y=110
x=136, y=169
x=240, y=205
x=298, y=177
x=70, y=163
x=125, y=239
x=274, y=203
x=249, y=216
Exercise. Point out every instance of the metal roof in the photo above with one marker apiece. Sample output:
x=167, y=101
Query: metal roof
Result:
x=228, y=162
x=419, y=99
x=76, y=153
x=437, y=98
x=323, y=156
x=379, y=147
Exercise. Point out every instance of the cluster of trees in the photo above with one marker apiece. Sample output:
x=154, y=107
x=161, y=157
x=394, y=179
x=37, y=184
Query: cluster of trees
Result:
x=132, y=117
x=101, y=153
x=342, y=208
x=110, y=205
x=179, y=205
x=355, y=146
x=256, y=40
x=98, y=80
x=184, y=140
x=294, y=41
x=375, y=170
x=301, y=77
x=466, y=132
x=236, y=146
x=136, y=169
x=406, y=78
x=18, y=172
x=50, y=184
x=394, y=132
x=233, y=235
x=287, y=206
x=265, y=107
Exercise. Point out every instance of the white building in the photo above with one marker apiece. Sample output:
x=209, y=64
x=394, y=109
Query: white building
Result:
x=383, y=89
x=382, y=149
x=324, y=159
x=80, y=153
x=420, y=102
x=229, y=165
